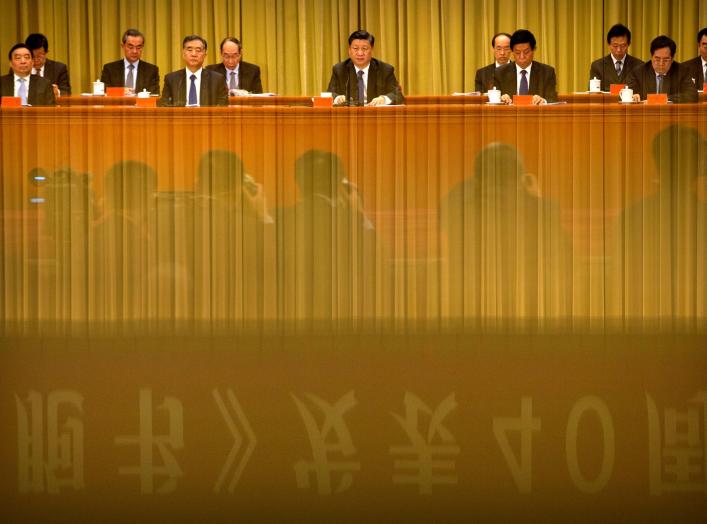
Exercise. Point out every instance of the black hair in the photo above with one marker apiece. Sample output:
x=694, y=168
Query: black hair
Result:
x=362, y=34
x=189, y=38
x=231, y=39
x=523, y=36
x=19, y=46
x=37, y=40
x=662, y=41
x=493, y=40
x=618, y=30
x=132, y=32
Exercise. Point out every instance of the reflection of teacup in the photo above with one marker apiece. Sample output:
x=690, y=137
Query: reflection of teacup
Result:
x=595, y=85
x=494, y=96
x=626, y=94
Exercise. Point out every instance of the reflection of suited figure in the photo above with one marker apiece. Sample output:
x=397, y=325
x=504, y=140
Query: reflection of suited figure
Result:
x=234, y=255
x=543, y=81
x=248, y=76
x=381, y=81
x=506, y=255
x=148, y=76
x=605, y=70
x=124, y=251
x=695, y=69
x=40, y=91
x=213, y=90
x=660, y=255
x=483, y=81
x=326, y=245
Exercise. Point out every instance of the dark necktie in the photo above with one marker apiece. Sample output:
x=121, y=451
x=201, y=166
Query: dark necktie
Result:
x=659, y=84
x=192, y=91
x=130, y=81
x=361, y=88
x=618, y=68
x=523, y=90
x=232, y=84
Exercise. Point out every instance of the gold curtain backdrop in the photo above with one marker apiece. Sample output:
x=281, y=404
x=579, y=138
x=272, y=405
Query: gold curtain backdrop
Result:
x=435, y=45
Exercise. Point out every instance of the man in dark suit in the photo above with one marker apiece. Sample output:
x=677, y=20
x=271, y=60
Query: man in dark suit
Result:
x=55, y=72
x=615, y=67
x=32, y=89
x=697, y=67
x=501, y=45
x=241, y=77
x=661, y=74
x=194, y=86
x=131, y=72
x=512, y=79
x=361, y=79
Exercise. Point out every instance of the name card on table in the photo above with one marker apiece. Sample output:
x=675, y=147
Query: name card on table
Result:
x=522, y=100
x=115, y=91
x=11, y=101
x=615, y=88
x=657, y=98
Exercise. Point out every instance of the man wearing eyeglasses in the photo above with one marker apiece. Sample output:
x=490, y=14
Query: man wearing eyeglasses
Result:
x=615, y=67
x=661, y=74
x=242, y=78
x=131, y=72
x=194, y=85
x=526, y=76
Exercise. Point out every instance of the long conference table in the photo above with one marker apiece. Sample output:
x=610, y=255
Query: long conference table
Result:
x=591, y=162
x=471, y=327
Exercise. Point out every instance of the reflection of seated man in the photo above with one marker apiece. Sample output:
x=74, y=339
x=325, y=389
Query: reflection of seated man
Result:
x=615, y=67
x=660, y=255
x=33, y=90
x=124, y=248
x=241, y=77
x=661, y=74
x=326, y=244
x=363, y=79
x=501, y=45
x=526, y=76
x=131, y=71
x=506, y=253
x=234, y=242
x=194, y=85
x=55, y=72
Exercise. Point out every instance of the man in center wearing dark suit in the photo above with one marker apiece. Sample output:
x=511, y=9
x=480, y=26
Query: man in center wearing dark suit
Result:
x=32, y=89
x=662, y=74
x=242, y=78
x=131, y=72
x=524, y=76
x=615, y=67
x=194, y=85
x=501, y=45
x=361, y=79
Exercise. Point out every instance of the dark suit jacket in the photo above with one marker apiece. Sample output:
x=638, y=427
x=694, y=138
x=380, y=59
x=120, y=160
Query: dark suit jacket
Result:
x=604, y=70
x=677, y=83
x=148, y=76
x=40, y=92
x=543, y=81
x=484, y=78
x=213, y=90
x=695, y=71
x=381, y=81
x=248, y=76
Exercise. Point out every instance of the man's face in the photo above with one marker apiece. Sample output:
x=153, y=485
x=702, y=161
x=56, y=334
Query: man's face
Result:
x=360, y=53
x=40, y=57
x=618, y=46
x=523, y=55
x=194, y=54
x=661, y=60
x=21, y=61
x=703, y=47
x=502, y=49
x=132, y=48
x=231, y=55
